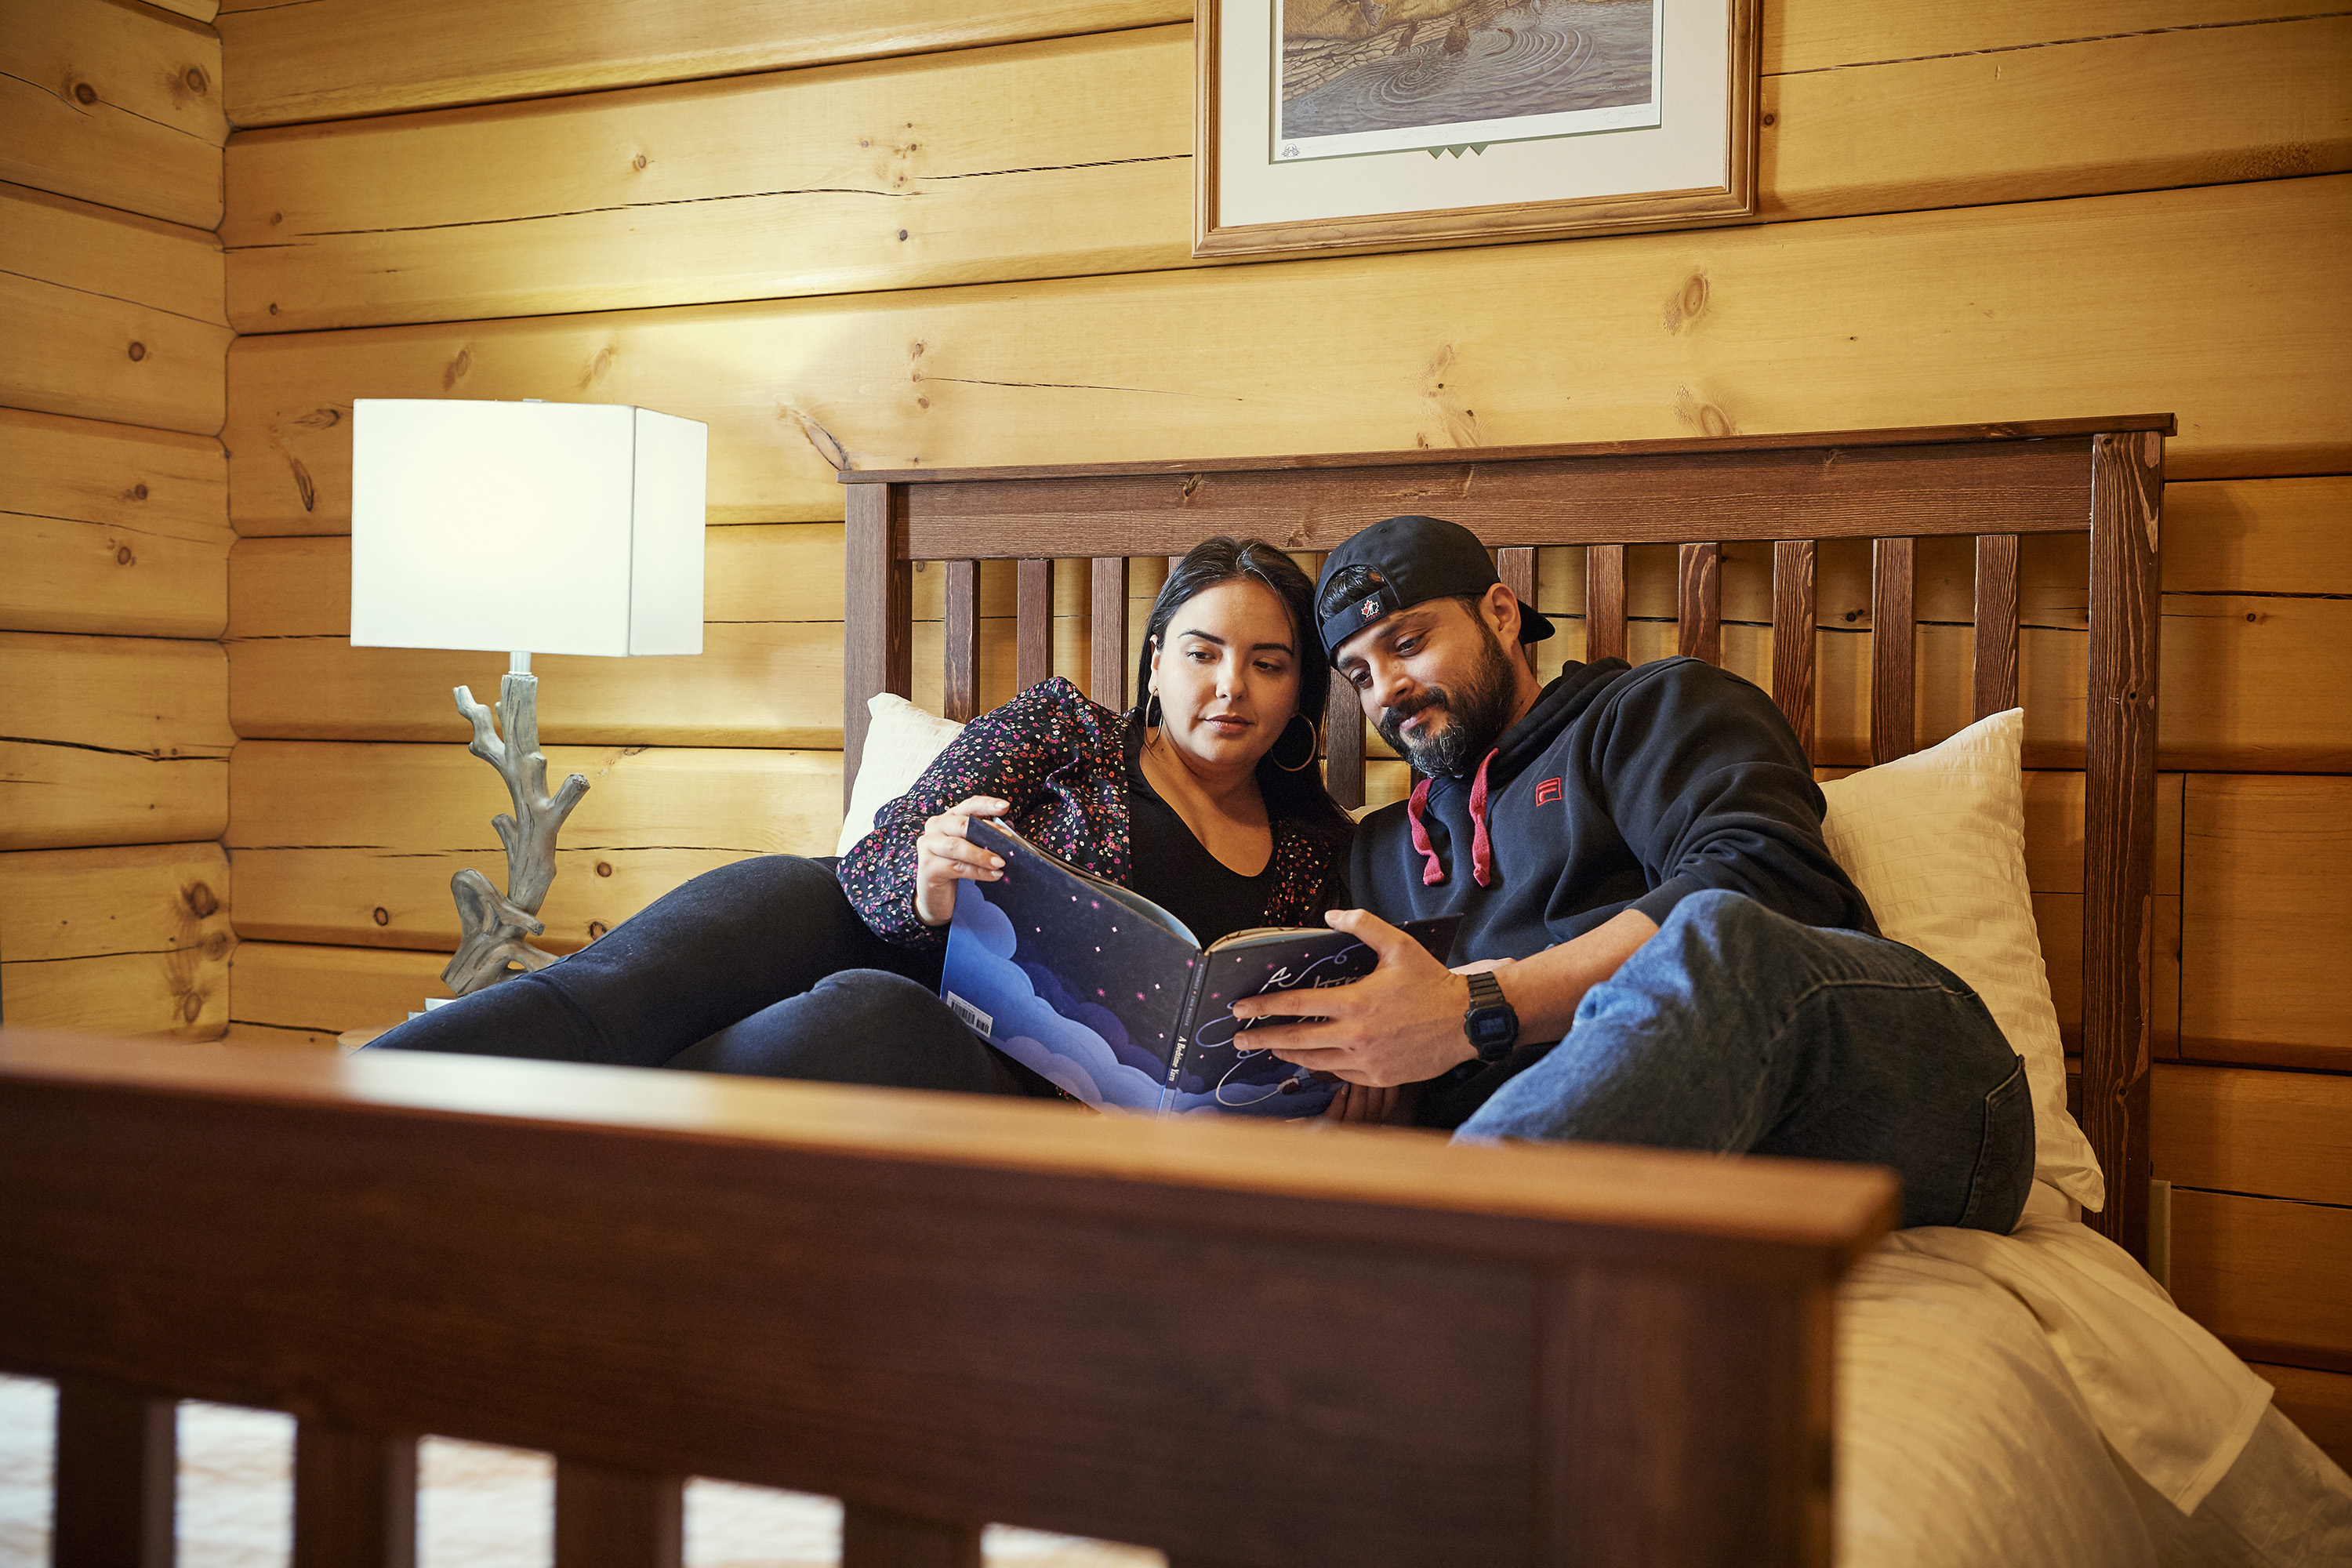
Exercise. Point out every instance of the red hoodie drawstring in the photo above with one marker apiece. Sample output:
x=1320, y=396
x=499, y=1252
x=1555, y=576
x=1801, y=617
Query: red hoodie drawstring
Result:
x=1434, y=871
x=1482, y=846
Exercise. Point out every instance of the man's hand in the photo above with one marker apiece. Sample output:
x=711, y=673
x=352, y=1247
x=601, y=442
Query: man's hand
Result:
x=1399, y=1024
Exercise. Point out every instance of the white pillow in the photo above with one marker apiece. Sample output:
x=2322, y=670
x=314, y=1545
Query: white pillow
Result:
x=899, y=744
x=1936, y=841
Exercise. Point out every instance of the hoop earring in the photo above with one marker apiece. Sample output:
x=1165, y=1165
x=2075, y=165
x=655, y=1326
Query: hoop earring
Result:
x=1151, y=714
x=1309, y=761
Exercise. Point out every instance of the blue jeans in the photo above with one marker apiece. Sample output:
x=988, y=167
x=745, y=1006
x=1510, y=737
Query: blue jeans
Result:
x=760, y=968
x=1738, y=1030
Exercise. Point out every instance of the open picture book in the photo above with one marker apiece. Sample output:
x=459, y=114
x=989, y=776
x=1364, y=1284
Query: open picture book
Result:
x=1109, y=995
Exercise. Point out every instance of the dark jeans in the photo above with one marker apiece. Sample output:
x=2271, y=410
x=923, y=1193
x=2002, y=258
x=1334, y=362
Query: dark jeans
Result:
x=1741, y=1031
x=760, y=968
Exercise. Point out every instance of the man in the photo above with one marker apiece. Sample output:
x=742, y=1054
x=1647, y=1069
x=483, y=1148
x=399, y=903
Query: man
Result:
x=1637, y=853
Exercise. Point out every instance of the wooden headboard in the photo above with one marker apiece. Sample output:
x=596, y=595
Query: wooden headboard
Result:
x=1991, y=482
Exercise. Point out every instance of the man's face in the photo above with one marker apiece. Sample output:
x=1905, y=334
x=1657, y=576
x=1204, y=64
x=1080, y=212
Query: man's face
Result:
x=1435, y=682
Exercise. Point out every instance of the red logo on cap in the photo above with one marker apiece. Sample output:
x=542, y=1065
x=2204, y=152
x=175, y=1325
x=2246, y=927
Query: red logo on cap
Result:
x=1371, y=607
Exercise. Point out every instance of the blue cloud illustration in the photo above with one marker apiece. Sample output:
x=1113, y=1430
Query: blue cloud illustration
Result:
x=982, y=973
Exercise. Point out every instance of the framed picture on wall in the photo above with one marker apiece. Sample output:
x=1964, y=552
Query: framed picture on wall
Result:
x=1325, y=126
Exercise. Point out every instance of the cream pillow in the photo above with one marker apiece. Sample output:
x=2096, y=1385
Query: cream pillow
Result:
x=899, y=744
x=1936, y=841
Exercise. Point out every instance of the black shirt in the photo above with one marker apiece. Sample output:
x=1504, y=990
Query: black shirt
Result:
x=1176, y=871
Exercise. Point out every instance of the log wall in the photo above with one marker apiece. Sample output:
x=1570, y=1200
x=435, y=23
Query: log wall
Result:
x=881, y=239
x=114, y=529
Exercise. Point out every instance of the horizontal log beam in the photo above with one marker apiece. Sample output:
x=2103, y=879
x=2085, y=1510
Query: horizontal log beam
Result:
x=2275, y=1134
x=2271, y=1278
x=1964, y=315
x=2267, y=987
x=111, y=528
x=356, y=844
x=297, y=993
x=347, y=58
x=112, y=741
x=131, y=941
x=112, y=317
x=114, y=103
x=730, y=195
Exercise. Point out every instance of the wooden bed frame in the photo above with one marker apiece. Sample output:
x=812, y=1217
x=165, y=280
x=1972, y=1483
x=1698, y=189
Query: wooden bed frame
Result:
x=1248, y=1345
x=1992, y=482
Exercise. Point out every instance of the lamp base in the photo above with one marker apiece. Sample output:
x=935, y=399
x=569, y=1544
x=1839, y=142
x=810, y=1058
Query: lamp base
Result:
x=494, y=924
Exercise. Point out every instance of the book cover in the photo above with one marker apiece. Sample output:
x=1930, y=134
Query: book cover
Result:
x=1111, y=997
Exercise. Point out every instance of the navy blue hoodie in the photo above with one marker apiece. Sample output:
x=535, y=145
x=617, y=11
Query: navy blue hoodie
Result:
x=1622, y=788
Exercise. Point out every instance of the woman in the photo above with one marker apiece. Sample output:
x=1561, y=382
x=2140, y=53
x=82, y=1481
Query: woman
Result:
x=1206, y=800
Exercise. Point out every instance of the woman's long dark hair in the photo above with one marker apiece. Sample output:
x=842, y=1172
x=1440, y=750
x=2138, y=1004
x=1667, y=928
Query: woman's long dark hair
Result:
x=1300, y=796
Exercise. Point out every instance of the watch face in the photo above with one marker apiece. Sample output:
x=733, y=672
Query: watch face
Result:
x=1493, y=1026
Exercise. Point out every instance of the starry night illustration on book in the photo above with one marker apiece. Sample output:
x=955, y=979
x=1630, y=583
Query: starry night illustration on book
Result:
x=1111, y=997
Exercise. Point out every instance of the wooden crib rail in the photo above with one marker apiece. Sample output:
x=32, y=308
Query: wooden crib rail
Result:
x=1246, y=1344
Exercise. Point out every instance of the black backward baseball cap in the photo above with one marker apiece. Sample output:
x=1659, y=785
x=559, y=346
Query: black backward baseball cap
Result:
x=1400, y=563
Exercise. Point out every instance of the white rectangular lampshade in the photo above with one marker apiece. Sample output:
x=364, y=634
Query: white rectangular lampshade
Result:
x=526, y=527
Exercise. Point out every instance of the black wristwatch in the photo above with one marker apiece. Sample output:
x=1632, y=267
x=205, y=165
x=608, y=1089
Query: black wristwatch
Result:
x=1491, y=1027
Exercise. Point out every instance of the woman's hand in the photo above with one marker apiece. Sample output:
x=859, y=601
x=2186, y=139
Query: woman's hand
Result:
x=943, y=858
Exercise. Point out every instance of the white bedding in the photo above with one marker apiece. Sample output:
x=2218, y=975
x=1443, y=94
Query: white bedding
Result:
x=2037, y=1399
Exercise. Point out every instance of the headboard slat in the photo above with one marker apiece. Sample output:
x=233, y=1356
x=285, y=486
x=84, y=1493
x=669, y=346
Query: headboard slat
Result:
x=1698, y=603
x=1893, y=728
x=1793, y=635
x=1343, y=745
x=877, y=600
x=1107, y=666
x=1033, y=625
x=961, y=687
x=1515, y=564
x=1605, y=602
x=1996, y=620
x=2119, y=823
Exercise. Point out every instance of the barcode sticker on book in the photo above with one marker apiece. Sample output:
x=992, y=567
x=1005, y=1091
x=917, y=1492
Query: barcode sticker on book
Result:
x=978, y=1022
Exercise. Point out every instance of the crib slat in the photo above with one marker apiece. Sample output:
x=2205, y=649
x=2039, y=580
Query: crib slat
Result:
x=873, y=1538
x=1793, y=635
x=1698, y=603
x=117, y=1468
x=354, y=1498
x=961, y=697
x=1107, y=683
x=1892, y=727
x=1343, y=743
x=1996, y=661
x=1033, y=636
x=617, y=1519
x=1605, y=602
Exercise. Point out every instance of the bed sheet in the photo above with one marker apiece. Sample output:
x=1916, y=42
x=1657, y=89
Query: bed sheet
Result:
x=2036, y=1398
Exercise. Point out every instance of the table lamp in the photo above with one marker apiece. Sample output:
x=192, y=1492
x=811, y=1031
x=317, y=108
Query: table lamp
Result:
x=523, y=528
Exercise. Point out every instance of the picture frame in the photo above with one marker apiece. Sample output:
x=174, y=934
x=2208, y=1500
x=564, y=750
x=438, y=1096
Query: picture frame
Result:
x=1338, y=126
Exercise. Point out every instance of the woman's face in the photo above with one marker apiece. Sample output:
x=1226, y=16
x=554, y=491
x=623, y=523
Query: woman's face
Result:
x=1226, y=671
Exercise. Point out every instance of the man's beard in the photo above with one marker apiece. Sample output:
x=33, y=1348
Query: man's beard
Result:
x=1476, y=715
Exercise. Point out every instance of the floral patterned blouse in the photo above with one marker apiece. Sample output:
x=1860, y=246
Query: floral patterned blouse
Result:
x=1060, y=761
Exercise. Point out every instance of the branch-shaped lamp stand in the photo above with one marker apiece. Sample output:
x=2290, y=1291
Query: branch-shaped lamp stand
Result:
x=494, y=924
